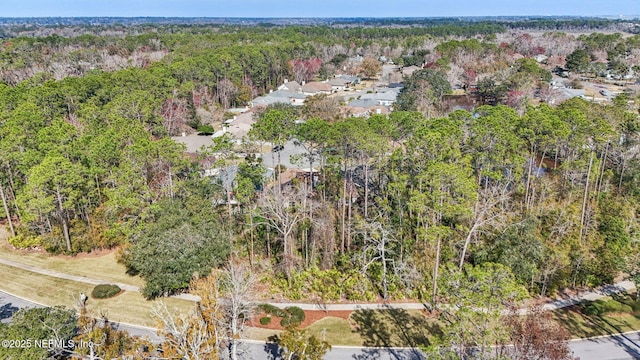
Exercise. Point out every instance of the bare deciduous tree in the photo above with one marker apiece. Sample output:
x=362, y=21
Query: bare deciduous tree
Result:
x=175, y=114
x=487, y=210
x=377, y=238
x=283, y=211
x=237, y=286
x=192, y=336
x=185, y=335
x=226, y=90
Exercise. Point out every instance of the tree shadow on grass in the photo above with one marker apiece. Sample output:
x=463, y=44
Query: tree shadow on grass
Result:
x=569, y=317
x=393, y=327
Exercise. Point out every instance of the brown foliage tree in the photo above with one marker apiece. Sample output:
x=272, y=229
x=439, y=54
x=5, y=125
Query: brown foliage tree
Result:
x=371, y=67
x=536, y=336
x=305, y=70
x=321, y=106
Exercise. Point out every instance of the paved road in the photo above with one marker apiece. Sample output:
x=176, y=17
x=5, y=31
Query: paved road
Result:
x=9, y=304
x=257, y=351
x=616, y=347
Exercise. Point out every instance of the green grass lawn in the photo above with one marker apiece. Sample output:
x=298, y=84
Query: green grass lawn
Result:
x=374, y=328
x=394, y=327
x=335, y=331
x=98, y=267
x=584, y=321
x=129, y=307
x=261, y=334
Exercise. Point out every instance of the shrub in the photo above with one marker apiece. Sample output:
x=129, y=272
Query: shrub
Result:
x=293, y=315
x=328, y=285
x=296, y=314
x=273, y=310
x=25, y=241
x=290, y=315
x=205, y=130
x=265, y=320
x=285, y=321
x=105, y=291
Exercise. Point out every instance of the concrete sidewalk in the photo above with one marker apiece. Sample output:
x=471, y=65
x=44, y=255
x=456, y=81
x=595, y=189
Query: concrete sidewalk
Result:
x=592, y=295
x=82, y=279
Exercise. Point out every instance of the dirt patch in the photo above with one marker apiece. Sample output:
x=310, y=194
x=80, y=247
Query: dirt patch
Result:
x=310, y=317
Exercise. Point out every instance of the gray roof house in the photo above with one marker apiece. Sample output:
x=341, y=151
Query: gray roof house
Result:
x=351, y=79
x=386, y=98
x=364, y=103
x=279, y=96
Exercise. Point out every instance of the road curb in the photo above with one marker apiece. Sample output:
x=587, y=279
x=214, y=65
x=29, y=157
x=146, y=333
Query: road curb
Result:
x=605, y=336
x=24, y=298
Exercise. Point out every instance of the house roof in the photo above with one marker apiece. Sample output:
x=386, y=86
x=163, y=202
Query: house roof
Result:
x=315, y=87
x=364, y=103
x=239, y=130
x=354, y=111
x=193, y=143
x=338, y=82
x=278, y=96
x=381, y=96
x=291, y=86
x=351, y=79
x=286, y=94
x=268, y=100
x=364, y=111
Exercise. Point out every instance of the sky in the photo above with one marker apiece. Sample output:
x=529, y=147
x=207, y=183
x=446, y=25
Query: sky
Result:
x=315, y=8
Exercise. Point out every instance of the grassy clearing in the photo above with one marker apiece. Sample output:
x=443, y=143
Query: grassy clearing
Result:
x=102, y=267
x=335, y=331
x=132, y=308
x=583, y=323
x=129, y=307
x=374, y=328
x=261, y=334
x=394, y=327
x=41, y=288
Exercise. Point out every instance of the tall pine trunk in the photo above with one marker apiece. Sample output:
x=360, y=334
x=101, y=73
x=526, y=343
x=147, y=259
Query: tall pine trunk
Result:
x=585, y=197
x=63, y=219
x=6, y=210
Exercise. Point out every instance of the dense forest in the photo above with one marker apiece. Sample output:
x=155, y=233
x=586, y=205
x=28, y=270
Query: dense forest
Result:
x=548, y=192
x=518, y=196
